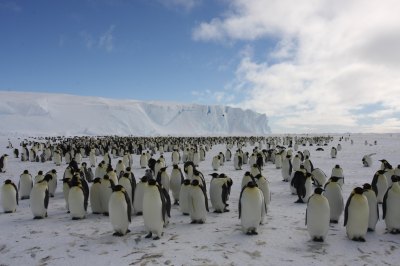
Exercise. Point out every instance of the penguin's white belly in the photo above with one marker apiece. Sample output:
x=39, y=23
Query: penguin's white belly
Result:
x=318, y=216
x=392, y=218
x=37, y=202
x=118, y=213
x=8, y=198
x=357, y=220
x=216, y=197
x=251, y=210
x=76, y=203
x=197, y=205
x=25, y=187
x=152, y=213
x=184, y=199
x=175, y=186
x=94, y=196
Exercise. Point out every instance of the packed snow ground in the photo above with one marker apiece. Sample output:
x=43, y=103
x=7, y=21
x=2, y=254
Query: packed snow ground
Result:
x=282, y=240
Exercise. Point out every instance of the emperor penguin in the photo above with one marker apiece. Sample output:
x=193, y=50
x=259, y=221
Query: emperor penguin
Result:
x=252, y=208
x=138, y=197
x=120, y=168
x=198, y=203
x=25, y=185
x=57, y=157
x=218, y=193
x=308, y=165
x=127, y=159
x=216, y=162
x=143, y=160
x=92, y=157
x=296, y=162
x=255, y=170
x=3, y=163
x=317, y=215
x=154, y=209
x=77, y=201
x=245, y=157
x=95, y=196
x=338, y=172
x=319, y=177
x=379, y=185
x=247, y=177
x=112, y=174
x=333, y=192
x=40, y=198
x=253, y=158
x=278, y=160
x=221, y=158
x=263, y=185
x=184, y=197
x=163, y=178
x=356, y=214
x=120, y=210
x=9, y=196
x=228, y=155
x=175, y=182
x=391, y=211
x=333, y=153
x=286, y=169
x=39, y=177
x=175, y=157
x=367, y=159
x=106, y=191
x=372, y=205
x=52, y=182
x=237, y=160
x=202, y=154
x=298, y=182
x=129, y=185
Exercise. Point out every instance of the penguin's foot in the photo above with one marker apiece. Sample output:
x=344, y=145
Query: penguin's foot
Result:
x=24, y=198
x=139, y=213
x=96, y=212
x=226, y=210
x=76, y=218
x=333, y=221
x=185, y=213
x=128, y=231
x=370, y=230
x=37, y=217
x=318, y=239
x=299, y=201
x=176, y=203
x=118, y=234
x=200, y=222
x=105, y=213
x=193, y=222
x=156, y=238
x=217, y=211
x=8, y=212
x=361, y=239
x=148, y=235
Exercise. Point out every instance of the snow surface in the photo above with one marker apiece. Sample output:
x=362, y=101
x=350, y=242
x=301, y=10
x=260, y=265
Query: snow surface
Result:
x=282, y=240
x=69, y=115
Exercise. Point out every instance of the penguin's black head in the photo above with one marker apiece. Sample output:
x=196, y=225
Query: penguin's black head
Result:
x=40, y=173
x=307, y=156
x=214, y=175
x=144, y=179
x=8, y=181
x=251, y=184
x=301, y=166
x=358, y=190
x=97, y=180
x=247, y=173
x=119, y=161
x=128, y=169
x=151, y=182
x=118, y=188
x=334, y=178
x=381, y=172
x=337, y=166
x=26, y=172
x=106, y=177
x=195, y=182
x=48, y=177
x=175, y=166
x=367, y=186
x=53, y=171
x=288, y=156
x=318, y=190
x=163, y=169
x=222, y=175
x=186, y=182
x=395, y=178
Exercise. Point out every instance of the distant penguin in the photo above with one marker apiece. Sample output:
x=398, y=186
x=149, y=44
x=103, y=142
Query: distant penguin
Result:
x=318, y=216
x=339, y=147
x=120, y=168
x=278, y=160
x=263, y=185
x=106, y=191
x=198, y=203
x=245, y=157
x=40, y=198
x=237, y=161
x=296, y=162
x=391, y=210
x=379, y=185
x=333, y=192
x=143, y=160
x=286, y=169
x=367, y=159
x=175, y=157
x=52, y=182
x=308, y=165
x=319, y=177
x=255, y=170
x=175, y=182
x=77, y=201
x=138, y=197
x=92, y=158
x=57, y=158
x=228, y=155
x=373, y=206
x=25, y=185
x=251, y=208
x=333, y=153
x=298, y=182
x=216, y=163
x=9, y=196
x=95, y=196
x=338, y=172
x=247, y=177
x=356, y=215
x=120, y=210
x=153, y=210
x=3, y=163
x=184, y=197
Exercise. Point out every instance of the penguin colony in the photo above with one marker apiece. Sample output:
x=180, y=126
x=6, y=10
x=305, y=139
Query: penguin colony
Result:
x=115, y=192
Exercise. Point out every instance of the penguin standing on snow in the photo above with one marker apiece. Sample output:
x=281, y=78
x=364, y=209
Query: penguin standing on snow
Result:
x=286, y=169
x=120, y=210
x=318, y=215
x=184, y=197
x=143, y=160
x=175, y=182
x=247, y=177
x=237, y=160
x=391, y=210
x=95, y=196
x=263, y=185
x=9, y=196
x=333, y=153
x=219, y=191
x=3, y=163
x=138, y=197
x=216, y=162
x=198, y=203
x=338, y=172
x=106, y=191
x=25, y=185
x=77, y=200
x=373, y=206
x=128, y=185
x=251, y=208
x=299, y=184
x=379, y=185
x=154, y=209
x=163, y=178
x=52, y=182
x=40, y=198
x=356, y=215
x=333, y=192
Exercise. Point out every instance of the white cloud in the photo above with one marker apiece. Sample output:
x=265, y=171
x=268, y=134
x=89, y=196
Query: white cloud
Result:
x=186, y=5
x=106, y=40
x=331, y=58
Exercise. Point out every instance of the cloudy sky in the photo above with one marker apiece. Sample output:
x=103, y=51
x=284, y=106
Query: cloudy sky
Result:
x=309, y=65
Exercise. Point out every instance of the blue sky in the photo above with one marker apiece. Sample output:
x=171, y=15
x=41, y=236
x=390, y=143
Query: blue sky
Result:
x=325, y=66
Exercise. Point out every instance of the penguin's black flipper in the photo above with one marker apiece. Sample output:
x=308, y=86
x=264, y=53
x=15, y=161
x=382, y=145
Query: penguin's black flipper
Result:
x=384, y=206
x=346, y=209
x=128, y=202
